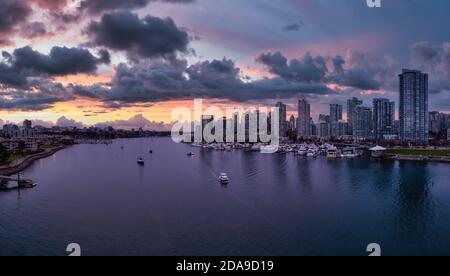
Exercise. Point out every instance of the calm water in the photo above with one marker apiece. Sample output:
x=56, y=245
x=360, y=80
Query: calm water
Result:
x=98, y=196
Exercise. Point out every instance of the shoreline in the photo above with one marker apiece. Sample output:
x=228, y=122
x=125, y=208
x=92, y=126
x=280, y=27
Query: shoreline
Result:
x=419, y=158
x=9, y=169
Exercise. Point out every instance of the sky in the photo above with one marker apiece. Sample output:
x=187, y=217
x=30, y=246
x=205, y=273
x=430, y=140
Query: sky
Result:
x=130, y=62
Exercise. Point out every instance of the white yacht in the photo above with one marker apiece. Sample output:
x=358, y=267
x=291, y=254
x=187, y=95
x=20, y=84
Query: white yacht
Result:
x=350, y=152
x=223, y=178
x=333, y=153
x=303, y=150
x=141, y=161
x=313, y=152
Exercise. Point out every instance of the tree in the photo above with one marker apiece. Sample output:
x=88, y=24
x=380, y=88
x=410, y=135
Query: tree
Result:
x=4, y=154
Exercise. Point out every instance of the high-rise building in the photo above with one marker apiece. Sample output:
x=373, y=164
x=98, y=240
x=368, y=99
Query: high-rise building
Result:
x=438, y=123
x=413, y=111
x=206, y=119
x=335, y=113
x=314, y=130
x=362, y=129
x=324, y=126
x=304, y=119
x=352, y=104
x=292, y=124
x=282, y=119
x=338, y=129
x=235, y=125
x=383, y=118
x=27, y=124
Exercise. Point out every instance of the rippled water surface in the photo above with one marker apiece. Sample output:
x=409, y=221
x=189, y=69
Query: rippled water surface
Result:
x=98, y=196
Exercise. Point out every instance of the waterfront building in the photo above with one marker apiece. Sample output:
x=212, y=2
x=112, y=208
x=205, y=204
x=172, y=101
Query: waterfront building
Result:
x=292, y=124
x=363, y=123
x=383, y=118
x=438, y=123
x=282, y=119
x=352, y=104
x=206, y=119
x=20, y=145
x=338, y=129
x=335, y=113
x=324, y=127
x=448, y=134
x=225, y=122
x=314, y=130
x=235, y=125
x=250, y=125
x=304, y=119
x=15, y=132
x=413, y=110
x=397, y=127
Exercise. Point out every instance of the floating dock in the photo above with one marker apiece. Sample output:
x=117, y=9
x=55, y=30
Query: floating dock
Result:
x=9, y=183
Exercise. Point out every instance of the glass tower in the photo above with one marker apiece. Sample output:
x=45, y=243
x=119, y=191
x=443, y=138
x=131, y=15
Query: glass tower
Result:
x=413, y=109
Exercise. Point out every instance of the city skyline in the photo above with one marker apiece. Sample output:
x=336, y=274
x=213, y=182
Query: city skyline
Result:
x=268, y=52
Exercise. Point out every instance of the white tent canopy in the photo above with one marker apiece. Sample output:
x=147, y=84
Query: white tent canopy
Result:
x=378, y=148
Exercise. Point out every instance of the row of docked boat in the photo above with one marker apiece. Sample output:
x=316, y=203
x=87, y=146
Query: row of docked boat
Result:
x=313, y=150
x=308, y=150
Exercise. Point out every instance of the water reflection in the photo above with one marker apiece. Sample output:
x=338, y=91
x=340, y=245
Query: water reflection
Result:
x=274, y=204
x=414, y=199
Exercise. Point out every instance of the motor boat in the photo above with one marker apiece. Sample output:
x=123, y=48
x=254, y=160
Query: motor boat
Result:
x=302, y=151
x=223, y=178
x=350, y=152
x=141, y=161
x=312, y=153
x=190, y=154
x=27, y=184
x=333, y=153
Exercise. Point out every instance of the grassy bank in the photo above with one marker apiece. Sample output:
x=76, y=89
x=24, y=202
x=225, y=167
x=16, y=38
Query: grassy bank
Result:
x=417, y=152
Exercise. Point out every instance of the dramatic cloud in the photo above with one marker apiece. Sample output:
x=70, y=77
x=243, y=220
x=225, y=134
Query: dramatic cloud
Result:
x=354, y=77
x=25, y=76
x=215, y=74
x=432, y=58
x=147, y=37
x=98, y=6
x=33, y=30
x=65, y=122
x=435, y=60
x=309, y=69
x=10, y=77
x=51, y=4
x=12, y=13
x=294, y=27
x=60, y=61
x=166, y=80
x=136, y=122
x=42, y=123
x=41, y=96
x=355, y=71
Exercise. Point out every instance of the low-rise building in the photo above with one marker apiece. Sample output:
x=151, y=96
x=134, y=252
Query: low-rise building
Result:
x=23, y=145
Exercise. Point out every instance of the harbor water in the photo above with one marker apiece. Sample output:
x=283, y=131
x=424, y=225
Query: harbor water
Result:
x=275, y=204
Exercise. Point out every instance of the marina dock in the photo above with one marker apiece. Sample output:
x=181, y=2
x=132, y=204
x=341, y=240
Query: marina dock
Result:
x=10, y=183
